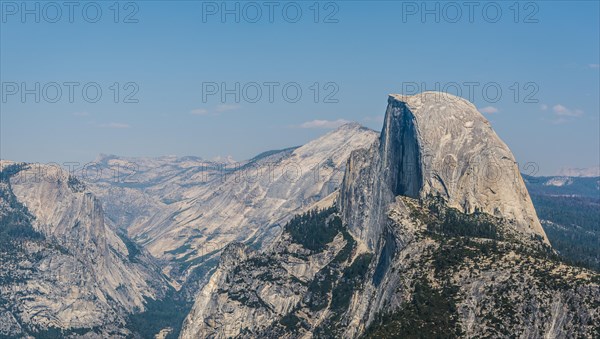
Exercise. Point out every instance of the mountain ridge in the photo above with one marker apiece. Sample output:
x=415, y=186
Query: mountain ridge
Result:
x=79, y=274
x=406, y=231
x=383, y=222
x=185, y=214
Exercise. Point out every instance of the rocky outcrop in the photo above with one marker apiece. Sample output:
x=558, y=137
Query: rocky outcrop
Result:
x=440, y=272
x=250, y=291
x=437, y=238
x=73, y=273
x=435, y=144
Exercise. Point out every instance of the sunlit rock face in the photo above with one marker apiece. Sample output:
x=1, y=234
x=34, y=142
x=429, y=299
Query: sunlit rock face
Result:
x=76, y=273
x=435, y=144
x=433, y=215
x=184, y=210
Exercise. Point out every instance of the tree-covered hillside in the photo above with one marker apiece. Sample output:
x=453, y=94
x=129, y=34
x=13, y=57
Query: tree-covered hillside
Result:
x=569, y=209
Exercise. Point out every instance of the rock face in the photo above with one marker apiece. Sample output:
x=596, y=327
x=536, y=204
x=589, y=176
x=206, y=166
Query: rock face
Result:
x=426, y=231
x=62, y=267
x=432, y=234
x=69, y=268
x=185, y=210
x=435, y=144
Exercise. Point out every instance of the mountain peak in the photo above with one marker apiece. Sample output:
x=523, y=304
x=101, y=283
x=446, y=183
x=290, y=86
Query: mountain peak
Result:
x=427, y=96
x=437, y=144
x=353, y=125
x=440, y=107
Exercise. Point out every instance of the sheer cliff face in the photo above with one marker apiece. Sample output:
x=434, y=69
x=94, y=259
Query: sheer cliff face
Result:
x=79, y=273
x=412, y=255
x=435, y=144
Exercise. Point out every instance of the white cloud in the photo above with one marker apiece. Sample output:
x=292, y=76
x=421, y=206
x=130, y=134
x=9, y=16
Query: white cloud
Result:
x=594, y=66
x=199, y=111
x=488, y=110
x=562, y=114
x=216, y=111
x=561, y=110
x=324, y=123
x=544, y=107
x=115, y=125
x=226, y=107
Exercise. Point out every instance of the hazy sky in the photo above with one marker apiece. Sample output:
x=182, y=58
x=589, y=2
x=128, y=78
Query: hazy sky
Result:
x=172, y=60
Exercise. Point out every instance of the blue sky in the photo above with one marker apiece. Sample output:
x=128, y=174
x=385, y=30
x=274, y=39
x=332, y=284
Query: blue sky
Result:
x=177, y=50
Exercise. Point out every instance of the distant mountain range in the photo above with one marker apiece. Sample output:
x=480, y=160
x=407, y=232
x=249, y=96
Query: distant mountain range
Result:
x=184, y=210
x=588, y=187
x=580, y=172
